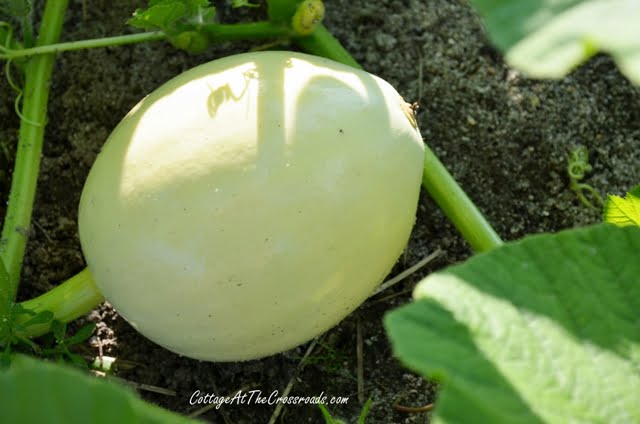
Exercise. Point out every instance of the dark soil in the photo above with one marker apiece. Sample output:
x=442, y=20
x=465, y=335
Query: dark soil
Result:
x=504, y=137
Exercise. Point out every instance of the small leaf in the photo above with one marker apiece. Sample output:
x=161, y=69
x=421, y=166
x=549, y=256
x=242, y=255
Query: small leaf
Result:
x=59, y=330
x=173, y=16
x=81, y=335
x=365, y=411
x=328, y=419
x=160, y=14
x=43, y=317
x=242, y=3
x=17, y=339
x=17, y=310
x=77, y=360
x=543, y=330
x=16, y=9
x=180, y=20
x=623, y=211
x=548, y=38
x=66, y=395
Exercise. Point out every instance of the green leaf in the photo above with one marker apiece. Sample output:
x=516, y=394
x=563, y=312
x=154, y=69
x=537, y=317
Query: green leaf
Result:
x=35, y=391
x=243, y=3
x=365, y=411
x=625, y=211
x=81, y=335
x=43, y=317
x=181, y=20
x=160, y=15
x=77, y=360
x=17, y=339
x=328, y=419
x=16, y=8
x=543, y=330
x=59, y=330
x=173, y=16
x=547, y=38
x=17, y=310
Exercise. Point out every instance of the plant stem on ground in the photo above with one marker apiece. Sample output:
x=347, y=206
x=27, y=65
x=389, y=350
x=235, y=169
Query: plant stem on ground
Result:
x=214, y=32
x=84, y=44
x=27, y=164
x=68, y=301
x=455, y=203
x=245, y=31
x=323, y=43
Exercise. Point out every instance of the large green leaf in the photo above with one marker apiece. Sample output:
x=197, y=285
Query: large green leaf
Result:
x=623, y=211
x=34, y=391
x=546, y=329
x=547, y=38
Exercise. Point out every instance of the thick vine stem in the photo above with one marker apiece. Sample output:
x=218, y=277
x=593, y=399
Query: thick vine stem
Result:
x=25, y=175
x=244, y=31
x=455, y=203
x=68, y=301
x=322, y=43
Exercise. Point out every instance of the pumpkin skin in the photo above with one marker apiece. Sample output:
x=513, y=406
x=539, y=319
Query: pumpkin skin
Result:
x=251, y=203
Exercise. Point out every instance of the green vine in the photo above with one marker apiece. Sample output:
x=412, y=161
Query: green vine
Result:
x=27, y=161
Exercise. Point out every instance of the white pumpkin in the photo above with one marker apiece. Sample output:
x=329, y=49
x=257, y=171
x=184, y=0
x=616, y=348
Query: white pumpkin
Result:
x=251, y=203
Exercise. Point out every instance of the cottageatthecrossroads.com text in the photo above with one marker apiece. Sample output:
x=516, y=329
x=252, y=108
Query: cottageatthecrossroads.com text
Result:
x=256, y=397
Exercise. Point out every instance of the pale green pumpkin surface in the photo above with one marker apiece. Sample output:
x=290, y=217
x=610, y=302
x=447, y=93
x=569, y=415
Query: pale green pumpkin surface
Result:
x=251, y=203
